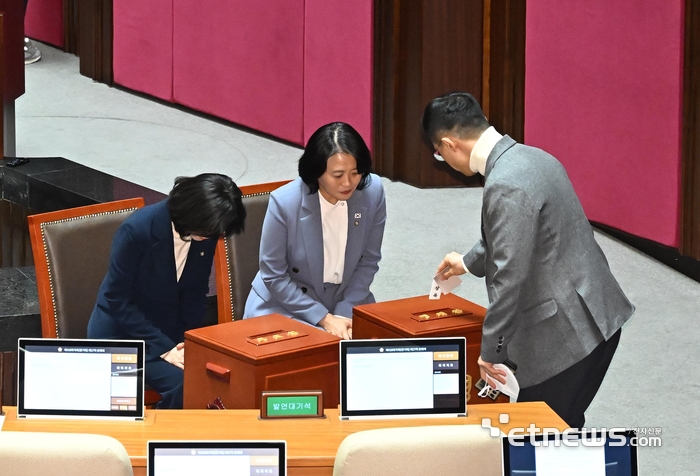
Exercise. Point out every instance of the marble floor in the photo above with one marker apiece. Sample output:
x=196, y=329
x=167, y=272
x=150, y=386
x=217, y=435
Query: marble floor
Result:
x=653, y=379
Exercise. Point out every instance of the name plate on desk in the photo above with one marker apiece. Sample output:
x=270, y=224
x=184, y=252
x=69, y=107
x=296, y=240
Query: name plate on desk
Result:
x=283, y=404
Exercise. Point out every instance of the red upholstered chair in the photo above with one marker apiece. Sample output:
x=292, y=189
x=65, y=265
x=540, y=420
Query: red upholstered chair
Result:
x=237, y=257
x=71, y=254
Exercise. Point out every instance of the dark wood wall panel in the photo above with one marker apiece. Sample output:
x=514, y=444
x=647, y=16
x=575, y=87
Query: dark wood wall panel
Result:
x=71, y=31
x=8, y=378
x=15, y=244
x=95, y=24
x=690, y=225
x=424, y=49
x=2, y=87
x=506, y=101
x=384, y=69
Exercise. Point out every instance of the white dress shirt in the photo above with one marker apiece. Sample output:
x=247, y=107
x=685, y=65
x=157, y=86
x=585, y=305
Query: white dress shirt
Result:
x=480, y=153
x=483, y=147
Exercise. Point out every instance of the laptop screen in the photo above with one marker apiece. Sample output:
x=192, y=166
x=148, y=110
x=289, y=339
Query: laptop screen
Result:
x=595, y=453
x=233, y=458
x=80, y=378
x=403, y=377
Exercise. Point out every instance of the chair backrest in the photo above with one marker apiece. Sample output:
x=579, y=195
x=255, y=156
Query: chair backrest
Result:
x=238, y=257
x=61, y=454
x=449, y=449
x=71, y=254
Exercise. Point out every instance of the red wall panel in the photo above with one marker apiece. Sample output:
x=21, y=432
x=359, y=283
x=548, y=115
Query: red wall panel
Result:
x=43, y=21
x=338, y=65
x=242, y=61
x=603, y=91
x=143, y=46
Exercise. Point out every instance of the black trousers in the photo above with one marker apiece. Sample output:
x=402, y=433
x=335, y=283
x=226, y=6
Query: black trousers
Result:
x=570, y=392
x=166, y=379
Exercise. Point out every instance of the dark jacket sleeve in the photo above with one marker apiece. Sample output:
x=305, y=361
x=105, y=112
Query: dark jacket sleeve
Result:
x=116, y=298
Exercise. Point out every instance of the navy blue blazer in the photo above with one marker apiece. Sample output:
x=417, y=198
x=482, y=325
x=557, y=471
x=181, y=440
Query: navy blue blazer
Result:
x=141, y=298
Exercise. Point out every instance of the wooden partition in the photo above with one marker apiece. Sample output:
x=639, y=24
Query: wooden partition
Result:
x=8, y=378
x=11, y=70
x=2, y=85
x=690, y=205
x=94, y=43
x=423, y=49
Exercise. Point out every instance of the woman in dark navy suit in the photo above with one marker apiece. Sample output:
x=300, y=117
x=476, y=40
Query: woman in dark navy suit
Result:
x=158, y=278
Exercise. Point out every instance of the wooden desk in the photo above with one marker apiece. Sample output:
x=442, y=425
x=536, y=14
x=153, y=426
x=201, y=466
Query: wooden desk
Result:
x=312, y=444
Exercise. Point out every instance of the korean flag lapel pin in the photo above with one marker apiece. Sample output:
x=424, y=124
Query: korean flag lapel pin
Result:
x=357, y=218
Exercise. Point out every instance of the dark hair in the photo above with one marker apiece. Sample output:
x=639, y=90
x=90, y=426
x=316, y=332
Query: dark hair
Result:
x=327, y=141
x=208, y=205
x=458, y=113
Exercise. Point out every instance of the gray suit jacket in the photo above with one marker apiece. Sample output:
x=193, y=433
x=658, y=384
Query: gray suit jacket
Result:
x=290, y=280
x=552, y=296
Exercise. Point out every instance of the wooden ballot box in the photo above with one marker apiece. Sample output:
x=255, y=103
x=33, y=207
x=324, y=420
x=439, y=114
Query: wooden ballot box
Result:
x=449, y=316
x=237, y=360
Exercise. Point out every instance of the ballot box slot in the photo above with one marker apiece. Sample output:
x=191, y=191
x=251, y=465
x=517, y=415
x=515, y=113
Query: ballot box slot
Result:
x=274, y=336
x=436, y=314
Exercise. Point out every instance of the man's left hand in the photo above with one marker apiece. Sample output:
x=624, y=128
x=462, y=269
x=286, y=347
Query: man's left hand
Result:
x=489, y=372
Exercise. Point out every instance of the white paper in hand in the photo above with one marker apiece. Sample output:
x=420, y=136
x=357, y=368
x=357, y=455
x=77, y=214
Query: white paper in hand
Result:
x=511, y=387
x=442, y=286
x=435, y=291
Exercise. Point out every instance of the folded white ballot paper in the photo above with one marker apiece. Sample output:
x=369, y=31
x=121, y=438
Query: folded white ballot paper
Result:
x=442, y=286
x=510, y=388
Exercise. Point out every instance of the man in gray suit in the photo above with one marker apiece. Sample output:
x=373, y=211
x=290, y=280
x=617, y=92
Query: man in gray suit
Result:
x=555, y=310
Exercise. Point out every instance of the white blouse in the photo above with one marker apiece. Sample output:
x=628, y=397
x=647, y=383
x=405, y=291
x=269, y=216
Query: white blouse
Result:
x=334, y=221
x=182, y=248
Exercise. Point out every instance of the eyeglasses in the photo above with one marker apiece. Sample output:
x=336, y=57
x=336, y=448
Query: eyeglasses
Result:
x=437, y=155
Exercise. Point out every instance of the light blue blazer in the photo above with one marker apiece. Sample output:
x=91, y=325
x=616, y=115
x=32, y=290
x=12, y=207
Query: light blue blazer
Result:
x=290, y=280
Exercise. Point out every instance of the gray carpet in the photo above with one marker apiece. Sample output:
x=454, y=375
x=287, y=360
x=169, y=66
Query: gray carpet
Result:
x=653, y=380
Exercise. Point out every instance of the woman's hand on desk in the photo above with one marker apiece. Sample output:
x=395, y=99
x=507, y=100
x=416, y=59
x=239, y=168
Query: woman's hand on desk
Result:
x=338, y=326
x=176, y=356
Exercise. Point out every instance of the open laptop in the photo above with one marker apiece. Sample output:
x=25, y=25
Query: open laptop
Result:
x=594, y=453
x=80, y=378
x=233, y=458
x=388, y=378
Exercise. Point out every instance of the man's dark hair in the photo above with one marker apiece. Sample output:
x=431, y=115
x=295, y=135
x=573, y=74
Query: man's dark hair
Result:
x=333, y=138
x=458, y=113
x=208, y=205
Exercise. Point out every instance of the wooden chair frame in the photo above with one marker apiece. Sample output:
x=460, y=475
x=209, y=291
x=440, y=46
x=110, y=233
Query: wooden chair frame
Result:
x=225, y=305
x=45, y=285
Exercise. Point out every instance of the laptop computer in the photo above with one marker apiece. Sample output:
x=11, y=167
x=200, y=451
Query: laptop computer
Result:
x=234, y=458
x=388, y=378
x=80, y=378
x=594, y=453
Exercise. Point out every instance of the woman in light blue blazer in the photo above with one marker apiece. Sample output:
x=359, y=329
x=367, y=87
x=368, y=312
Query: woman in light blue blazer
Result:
x=322, y=235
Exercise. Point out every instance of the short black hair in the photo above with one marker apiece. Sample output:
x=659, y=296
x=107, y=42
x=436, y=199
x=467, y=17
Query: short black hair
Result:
x=456, y=112
x=328, y=140
x=208, y=205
